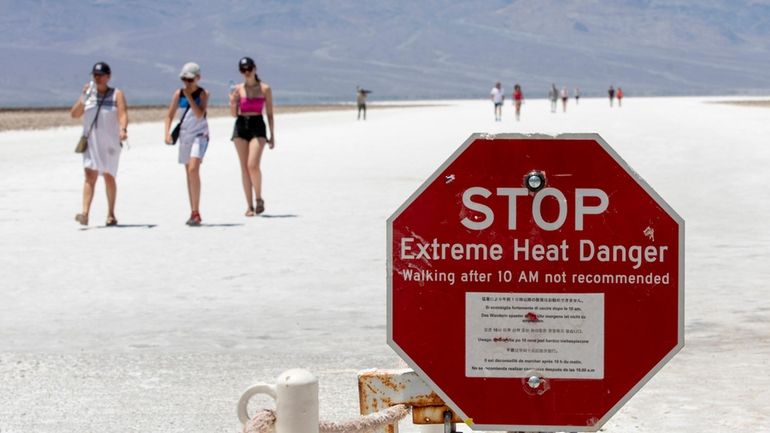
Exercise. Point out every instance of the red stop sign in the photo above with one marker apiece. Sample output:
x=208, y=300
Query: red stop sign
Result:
x=535, y=282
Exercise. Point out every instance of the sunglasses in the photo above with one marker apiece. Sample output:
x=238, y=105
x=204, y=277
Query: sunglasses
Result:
x=245, y=70
x=188, y=80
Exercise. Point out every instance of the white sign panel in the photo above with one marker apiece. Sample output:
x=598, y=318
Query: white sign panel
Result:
x=559, y=335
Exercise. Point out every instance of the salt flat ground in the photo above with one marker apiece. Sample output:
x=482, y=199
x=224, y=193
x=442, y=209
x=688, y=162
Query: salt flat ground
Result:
x=157, y=327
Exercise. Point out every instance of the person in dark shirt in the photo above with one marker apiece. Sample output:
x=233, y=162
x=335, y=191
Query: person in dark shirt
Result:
x=361, y=95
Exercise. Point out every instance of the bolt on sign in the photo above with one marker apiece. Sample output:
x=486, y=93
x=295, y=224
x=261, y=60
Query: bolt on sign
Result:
x=536, y=282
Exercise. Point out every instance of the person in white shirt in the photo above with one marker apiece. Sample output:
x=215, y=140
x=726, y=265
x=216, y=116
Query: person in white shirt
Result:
x=564, y=97
x=497, y=95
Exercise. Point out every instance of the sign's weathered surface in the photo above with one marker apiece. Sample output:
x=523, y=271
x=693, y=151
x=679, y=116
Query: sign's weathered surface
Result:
x=535, y=282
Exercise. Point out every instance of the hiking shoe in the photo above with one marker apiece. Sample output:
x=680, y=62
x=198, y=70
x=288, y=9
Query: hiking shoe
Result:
x=260, y=206
x=195, y=219
x=82, y=218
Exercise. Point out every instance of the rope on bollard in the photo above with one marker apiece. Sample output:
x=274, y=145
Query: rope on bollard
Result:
x=366, y=423
x=264, y=420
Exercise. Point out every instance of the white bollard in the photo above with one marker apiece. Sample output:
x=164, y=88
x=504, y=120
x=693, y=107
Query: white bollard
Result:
x=296, y=401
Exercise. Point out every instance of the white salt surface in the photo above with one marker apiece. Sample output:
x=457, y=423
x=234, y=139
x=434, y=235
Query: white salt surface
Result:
x=157, y=327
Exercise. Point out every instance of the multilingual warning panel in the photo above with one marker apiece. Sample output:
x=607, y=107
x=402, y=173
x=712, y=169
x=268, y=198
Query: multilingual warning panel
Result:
x=517, y=335
x=537, y=273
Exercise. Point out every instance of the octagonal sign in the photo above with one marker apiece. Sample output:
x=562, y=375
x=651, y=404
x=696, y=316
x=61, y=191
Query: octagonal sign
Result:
x=535, y=282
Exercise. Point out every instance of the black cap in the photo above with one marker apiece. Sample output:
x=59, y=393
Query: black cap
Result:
x=246, y=63
x=101, y=68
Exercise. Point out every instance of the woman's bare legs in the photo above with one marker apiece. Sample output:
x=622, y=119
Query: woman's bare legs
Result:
x=89, y=185
x=256, y=147
x=194, y=183
x=242, y=147
x=250, y=155
x=112, y=192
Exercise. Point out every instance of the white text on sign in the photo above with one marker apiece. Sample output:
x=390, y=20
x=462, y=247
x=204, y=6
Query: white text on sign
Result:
x=587, y=201
x=525, y=251
x=581, y=209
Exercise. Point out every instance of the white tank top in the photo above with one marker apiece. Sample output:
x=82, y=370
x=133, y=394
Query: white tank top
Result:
x=107, y=127
x=192, y=125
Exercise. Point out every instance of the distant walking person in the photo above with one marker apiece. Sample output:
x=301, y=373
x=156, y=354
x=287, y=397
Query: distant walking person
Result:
x=105, y=124
x=553, y=96
x=611, y=93
x=497, y=96
x=193, y=132
x=361, y=95
x=518, y=98
x=247, y=102
x=564, y=96
x=577, y=95
x=620, y=97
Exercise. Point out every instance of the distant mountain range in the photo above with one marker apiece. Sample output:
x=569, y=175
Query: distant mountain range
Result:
x=319, y=50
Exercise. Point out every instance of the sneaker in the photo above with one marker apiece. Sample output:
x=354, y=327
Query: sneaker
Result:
x=260, y=206
x=195, y=219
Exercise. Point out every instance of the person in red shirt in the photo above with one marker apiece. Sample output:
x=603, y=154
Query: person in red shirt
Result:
x=518, y=98
x=620, y=97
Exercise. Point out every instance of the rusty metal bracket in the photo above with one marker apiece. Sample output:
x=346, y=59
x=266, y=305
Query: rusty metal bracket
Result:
x=378, y=389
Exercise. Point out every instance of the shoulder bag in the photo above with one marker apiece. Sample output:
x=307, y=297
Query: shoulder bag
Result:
x=178, y=127
x=83, y=143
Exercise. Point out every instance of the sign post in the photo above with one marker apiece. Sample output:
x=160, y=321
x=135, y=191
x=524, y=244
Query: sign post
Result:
x=535, y=282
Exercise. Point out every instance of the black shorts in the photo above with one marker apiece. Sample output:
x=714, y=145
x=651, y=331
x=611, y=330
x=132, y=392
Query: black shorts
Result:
x=249, y=127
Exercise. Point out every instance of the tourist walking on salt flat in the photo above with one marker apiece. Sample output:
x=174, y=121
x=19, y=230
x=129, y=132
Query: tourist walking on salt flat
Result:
x=611, y=94
x=361, y=95
x=577, y=95
x=518, y=99
x=620, y=97
x=564, y=97
x=247, y=102
x=193, y=132
x=497, y=96
x=105, y=124
x=553, y=96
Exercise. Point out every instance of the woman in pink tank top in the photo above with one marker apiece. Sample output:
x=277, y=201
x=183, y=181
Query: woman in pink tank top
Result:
x=247, y=102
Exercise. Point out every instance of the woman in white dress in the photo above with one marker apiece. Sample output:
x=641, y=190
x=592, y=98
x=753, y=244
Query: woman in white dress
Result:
x=105, y=108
